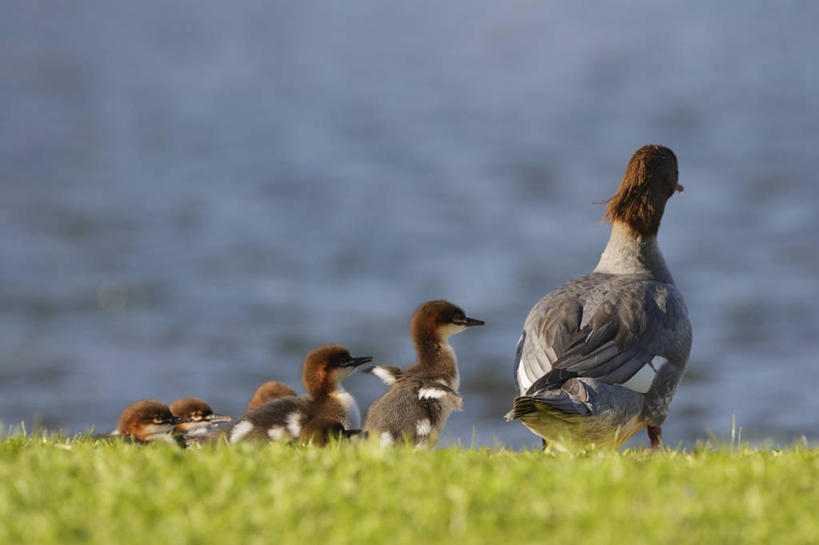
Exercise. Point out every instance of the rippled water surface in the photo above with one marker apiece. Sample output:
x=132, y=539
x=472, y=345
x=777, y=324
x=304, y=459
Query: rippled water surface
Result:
x=196, y=194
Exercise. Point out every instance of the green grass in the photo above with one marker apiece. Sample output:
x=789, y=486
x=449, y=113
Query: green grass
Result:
x=119, y=493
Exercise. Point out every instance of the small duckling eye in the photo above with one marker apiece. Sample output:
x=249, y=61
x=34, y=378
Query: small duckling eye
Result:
x=196, y=417
x=158, y=419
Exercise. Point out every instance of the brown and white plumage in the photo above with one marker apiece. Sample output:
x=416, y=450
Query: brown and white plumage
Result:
x=422, y=396
x=269, y=391
x=146, y=421
x=325, y=405
x=197, y=419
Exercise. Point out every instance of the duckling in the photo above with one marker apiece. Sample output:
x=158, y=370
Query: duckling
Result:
x=146, y=421
x=422, y=396
x=200, y=418
x=286, y=417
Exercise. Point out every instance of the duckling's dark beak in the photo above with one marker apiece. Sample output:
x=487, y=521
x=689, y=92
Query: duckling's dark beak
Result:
x=680, y=188
x=355, y=362
x=472, y=321
x=217, y=418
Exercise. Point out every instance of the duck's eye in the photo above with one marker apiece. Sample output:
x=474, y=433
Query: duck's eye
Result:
x=196, y=417
x=158, y=419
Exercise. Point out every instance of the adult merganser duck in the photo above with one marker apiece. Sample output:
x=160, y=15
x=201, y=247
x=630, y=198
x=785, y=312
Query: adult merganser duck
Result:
x=600, y=357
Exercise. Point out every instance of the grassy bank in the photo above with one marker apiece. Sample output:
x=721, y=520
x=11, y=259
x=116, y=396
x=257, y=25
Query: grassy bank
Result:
x=59, y=491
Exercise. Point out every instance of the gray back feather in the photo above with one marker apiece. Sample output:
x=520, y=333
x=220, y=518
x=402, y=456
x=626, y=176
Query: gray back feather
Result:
x=603, y=326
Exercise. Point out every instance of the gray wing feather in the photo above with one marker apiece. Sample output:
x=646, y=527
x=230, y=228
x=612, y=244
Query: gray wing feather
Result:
x=400, y=409
x=549, y=329
x=602, y=326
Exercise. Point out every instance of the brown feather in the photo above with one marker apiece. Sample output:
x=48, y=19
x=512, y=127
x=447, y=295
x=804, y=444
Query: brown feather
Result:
x=649, y=181
x=269, y=391
x=319, y=363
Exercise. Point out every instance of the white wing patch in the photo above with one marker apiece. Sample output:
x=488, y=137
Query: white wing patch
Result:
x=423, y=427
x=275, y=433
x=240, y=430
x=431, y=393
x=642, y=379
x=385, y=376
x=523, y=380
x=294, y=424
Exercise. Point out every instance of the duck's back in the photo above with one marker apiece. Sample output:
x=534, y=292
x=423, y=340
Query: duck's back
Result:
x=281, y=418
x=415, y=408
x=605, y=326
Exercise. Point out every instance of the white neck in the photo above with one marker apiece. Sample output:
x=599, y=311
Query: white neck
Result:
x=629, y=253
x=352, y=416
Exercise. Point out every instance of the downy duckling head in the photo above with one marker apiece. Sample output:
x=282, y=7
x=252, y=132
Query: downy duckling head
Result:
x=269, y=391
x=324, y=368
x=440, y=319
x=196, y=414
x=147, y=420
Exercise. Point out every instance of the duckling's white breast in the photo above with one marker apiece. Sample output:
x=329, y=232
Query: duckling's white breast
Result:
x=352, y=416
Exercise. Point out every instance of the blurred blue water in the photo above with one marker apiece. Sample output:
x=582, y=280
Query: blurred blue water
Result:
x=194, y=194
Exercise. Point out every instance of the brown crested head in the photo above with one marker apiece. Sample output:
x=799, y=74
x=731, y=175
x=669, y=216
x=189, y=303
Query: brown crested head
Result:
x=194, y=413
x=325, y=366
x=438, y=320
x=649, y=181
x=190, y=407
x=145, y=419
x=268, y=392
